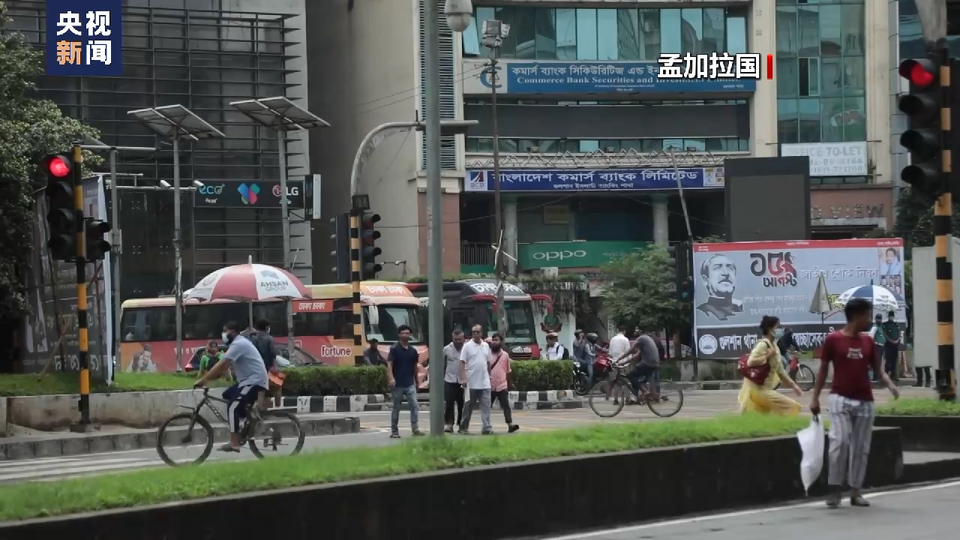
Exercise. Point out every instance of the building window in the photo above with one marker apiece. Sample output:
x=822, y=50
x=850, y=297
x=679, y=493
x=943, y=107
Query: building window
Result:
x=484, y=145
x=609, y=33
x=821, y=71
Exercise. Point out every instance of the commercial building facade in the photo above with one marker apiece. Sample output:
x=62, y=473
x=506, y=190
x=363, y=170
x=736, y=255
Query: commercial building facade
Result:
x=202, y=54
x=589, y=138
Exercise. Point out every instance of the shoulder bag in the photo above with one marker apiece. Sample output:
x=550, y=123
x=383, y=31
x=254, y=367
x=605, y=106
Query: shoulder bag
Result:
x=755, y=374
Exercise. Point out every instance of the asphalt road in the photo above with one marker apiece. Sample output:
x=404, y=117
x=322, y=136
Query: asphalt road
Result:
x=919, y=513
x=376, y=431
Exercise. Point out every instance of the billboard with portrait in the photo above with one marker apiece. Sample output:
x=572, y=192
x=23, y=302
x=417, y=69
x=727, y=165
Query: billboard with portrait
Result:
x=738, y=283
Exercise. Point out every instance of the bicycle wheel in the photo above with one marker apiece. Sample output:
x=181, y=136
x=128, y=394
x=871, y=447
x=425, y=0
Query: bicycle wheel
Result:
x=180, y=435
x=670, y=400
x=805, y=378
x=280, y=433
x=581, y=384
x=607, y=398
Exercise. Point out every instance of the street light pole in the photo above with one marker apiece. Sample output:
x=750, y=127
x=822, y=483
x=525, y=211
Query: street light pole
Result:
x=178, y=263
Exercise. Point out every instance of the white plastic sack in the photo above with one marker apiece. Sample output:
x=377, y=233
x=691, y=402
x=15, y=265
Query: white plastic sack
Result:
x=812, y=441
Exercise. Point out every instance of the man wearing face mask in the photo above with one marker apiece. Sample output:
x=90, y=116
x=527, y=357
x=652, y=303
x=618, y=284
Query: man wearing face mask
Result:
x=251, y=375
x=452, y=390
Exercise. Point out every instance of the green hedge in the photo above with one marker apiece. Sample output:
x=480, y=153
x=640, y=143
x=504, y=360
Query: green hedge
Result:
x=528, y=376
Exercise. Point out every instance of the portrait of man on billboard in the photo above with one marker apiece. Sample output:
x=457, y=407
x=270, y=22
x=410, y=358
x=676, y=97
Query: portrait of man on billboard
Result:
x=719, y=277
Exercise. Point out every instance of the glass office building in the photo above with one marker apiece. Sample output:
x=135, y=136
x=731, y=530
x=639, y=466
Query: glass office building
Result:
x=195, y=54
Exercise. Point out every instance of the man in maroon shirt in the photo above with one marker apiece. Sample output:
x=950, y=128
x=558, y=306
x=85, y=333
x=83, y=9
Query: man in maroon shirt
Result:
x=852, y=353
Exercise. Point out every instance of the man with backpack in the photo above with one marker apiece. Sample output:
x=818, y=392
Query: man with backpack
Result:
x=267, y=348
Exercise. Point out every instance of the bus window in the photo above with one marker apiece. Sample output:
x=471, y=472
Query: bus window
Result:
x=389, y=318
x=338, y=323
x=276, y=313
x=520, y=324
x=462, y=320
x=149, y=324
x=205, y=321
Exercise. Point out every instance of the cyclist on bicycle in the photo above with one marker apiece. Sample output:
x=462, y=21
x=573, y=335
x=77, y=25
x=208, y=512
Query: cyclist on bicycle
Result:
x=251, y=377
x=786, y=341
x=645, y=357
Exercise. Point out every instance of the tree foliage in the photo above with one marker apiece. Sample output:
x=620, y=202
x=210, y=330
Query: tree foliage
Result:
x=30, y=128
x=915, y=219
x=641, y=289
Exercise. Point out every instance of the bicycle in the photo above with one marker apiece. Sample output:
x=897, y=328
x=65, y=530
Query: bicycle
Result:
x=253, y=428
x=617, y=388
x=581, y=381
x=801, y=374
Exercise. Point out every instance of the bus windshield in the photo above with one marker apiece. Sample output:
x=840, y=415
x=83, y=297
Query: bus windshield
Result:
x=520, y=324
x=381, y=322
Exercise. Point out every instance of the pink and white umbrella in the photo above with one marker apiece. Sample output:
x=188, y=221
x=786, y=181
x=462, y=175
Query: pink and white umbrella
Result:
x=247, y=283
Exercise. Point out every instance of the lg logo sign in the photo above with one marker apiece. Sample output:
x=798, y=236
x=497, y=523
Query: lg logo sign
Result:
x=291, y=191
x=559, y=255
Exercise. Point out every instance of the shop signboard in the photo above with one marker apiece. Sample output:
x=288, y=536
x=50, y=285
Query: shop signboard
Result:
x=736, y=284
x=574, y=254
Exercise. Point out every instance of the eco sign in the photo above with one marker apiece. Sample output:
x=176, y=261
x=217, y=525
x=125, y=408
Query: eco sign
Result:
x=573, y=254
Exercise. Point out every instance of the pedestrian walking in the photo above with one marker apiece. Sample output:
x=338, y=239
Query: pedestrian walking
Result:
x=891, y=345
x=475, y=372
x=267, y=348
x=876, y=332
x=851, y=405
x=762, y=397
x=554, y=350
x=402, y=363
x=452, y=389
x=499, y=372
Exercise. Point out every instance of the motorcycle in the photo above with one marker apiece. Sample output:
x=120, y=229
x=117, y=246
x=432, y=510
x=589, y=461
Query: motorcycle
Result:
x=581, y=379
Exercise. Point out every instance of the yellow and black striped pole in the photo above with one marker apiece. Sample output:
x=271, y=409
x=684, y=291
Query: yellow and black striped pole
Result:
x=82, y=331
x=355, y=282
x=942, y=217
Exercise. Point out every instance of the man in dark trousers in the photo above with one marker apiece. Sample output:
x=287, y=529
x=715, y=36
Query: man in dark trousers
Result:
x=851, y=405
x=267, y=348
x=452, y=389
x=891, y=345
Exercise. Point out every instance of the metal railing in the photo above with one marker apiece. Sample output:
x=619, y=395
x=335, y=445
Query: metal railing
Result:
x=476, y=254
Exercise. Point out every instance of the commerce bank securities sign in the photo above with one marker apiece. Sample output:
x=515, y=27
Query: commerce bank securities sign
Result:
x=84, y=38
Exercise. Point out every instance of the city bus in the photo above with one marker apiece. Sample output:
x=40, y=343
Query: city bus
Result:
x=322, y=325
x=473, y=301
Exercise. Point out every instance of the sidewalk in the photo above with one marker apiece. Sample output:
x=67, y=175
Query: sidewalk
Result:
x=117, y=438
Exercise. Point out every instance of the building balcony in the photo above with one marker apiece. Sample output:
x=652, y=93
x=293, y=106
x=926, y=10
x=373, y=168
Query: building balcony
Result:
x=476, y=258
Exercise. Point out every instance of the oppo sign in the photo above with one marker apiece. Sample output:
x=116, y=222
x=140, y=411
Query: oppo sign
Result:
x=547, y=256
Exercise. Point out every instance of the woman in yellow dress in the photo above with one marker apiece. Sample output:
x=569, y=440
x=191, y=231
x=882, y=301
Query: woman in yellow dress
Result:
x=764, y=399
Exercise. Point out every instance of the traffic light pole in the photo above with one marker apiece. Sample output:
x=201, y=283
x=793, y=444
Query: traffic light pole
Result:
x=355, y=282
x=82, y=329
x=942, y=218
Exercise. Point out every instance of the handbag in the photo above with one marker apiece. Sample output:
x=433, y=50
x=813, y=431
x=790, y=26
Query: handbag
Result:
x=755, y=374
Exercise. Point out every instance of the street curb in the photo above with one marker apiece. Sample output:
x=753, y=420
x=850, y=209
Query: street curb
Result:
x=95, y=443
x=544, y=400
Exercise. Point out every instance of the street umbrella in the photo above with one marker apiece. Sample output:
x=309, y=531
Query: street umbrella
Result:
x=249, y=283
x=821, y=299
x=883, y=299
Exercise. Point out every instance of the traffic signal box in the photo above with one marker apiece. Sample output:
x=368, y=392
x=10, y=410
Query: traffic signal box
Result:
x=95, y=241
x=341, y=243
x=369, y=252
x=680, y=263
x=57, y=172
x=924, y=137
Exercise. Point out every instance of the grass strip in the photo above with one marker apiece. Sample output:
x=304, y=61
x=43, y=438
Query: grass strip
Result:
x=155, y=486
x=69, y=383
x=919, y=407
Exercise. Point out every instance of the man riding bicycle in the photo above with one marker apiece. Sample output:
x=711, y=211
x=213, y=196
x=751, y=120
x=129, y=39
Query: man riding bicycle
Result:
x=645, y=357
x=250, y=374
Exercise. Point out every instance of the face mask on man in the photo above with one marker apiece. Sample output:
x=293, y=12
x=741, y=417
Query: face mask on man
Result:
x=778, y=333
x=226, y=337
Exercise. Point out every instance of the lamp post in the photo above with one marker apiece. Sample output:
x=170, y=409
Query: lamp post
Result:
x=177, y=123
x=458, y=14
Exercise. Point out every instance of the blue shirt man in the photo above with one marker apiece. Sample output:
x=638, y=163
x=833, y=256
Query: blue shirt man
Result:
x=402, y=364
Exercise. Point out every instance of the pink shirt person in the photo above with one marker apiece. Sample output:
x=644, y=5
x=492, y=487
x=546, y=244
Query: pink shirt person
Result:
x=499, y=371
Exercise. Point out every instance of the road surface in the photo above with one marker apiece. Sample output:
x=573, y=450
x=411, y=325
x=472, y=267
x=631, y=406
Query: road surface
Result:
x=375, y=432
x=918, y=513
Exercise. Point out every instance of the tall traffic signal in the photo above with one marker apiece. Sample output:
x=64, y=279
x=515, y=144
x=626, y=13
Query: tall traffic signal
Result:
x=57, y=173
x=368, y=245
x=680, y=262
x=341, y=243
x=95, y=242
x=923, y=138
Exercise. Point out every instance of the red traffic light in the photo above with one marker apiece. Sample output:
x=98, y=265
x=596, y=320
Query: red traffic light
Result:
x=58, y=166
x=920, y=72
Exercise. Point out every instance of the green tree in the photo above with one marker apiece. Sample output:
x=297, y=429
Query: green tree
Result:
x=641, y=289
x=915, y=219
x=30, y=128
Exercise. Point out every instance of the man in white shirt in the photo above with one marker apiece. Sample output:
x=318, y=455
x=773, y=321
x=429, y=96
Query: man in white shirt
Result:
x=620, y=344
x=475, y=372
x=554, y=350
x=452, y=389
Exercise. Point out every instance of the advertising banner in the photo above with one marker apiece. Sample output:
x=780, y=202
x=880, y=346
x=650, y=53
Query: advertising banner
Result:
x=587, y=77
x=573, y=254
x=247, y=193
x=596, y=180
x=738, y=283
